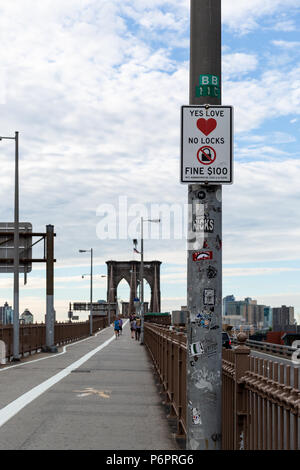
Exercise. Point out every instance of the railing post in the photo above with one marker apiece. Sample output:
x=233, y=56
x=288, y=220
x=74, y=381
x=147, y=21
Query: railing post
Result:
x=242, y=363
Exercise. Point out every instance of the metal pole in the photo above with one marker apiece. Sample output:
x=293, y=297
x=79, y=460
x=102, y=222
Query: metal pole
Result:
x=204, y=287
x=50, y=316
x=91, y=296
x=142, y=282
x=16, y=356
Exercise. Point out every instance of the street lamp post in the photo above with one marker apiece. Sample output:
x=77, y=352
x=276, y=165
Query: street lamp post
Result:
x=91, y=289
x=142, y=275
x=102, y=275
x=16, y=356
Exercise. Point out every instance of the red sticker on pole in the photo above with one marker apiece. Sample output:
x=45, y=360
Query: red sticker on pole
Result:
x=206, y=155
x=202, y=255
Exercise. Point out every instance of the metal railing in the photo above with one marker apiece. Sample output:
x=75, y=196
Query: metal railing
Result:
x=260, y=398
x=168, y=352
x=269, y=348
x=32, y=337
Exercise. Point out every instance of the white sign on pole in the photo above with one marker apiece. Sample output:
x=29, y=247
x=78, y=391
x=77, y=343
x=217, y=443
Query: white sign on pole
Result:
x=206, y=144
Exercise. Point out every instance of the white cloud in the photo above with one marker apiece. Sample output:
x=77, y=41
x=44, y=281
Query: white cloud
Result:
x=285, y=25
x=275, y=137
x=256, y=100
x=236, y=64
x=263, y=221
x=243, y=16
x=286, y=44
x=237, y=272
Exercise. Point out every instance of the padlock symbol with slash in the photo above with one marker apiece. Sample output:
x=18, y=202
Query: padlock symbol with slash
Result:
x=206, y=155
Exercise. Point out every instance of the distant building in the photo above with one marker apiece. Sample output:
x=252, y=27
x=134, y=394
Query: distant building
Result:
x=226, y=300
x=236, y=307
x=26, y=318
x=234, y=320
x=179, y=317
x=6, y=314
x=283, y=317
x=254, y=313
x=268, y=317
x=247, y=309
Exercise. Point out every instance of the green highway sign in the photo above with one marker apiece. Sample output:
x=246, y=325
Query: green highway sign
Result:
x=207, y=90
x=209, y=79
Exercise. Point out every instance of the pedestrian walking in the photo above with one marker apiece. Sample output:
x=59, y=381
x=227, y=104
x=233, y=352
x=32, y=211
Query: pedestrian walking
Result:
x=120, y=325
x=133, y=328
x=138, y=329
x=116, y=327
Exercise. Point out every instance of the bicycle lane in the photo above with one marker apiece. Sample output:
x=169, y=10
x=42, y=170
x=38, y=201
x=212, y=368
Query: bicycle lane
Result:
x=19, y=379
x=110, y=403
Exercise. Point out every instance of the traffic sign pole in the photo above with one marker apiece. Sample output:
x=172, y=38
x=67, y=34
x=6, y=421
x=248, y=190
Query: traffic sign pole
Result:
x=16, y=355
x=50, y=312
x=204, y=278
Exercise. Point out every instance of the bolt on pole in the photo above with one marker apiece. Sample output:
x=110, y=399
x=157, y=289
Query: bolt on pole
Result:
x=204, y=292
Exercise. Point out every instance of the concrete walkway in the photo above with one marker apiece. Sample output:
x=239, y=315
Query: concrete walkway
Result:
x=99, y=393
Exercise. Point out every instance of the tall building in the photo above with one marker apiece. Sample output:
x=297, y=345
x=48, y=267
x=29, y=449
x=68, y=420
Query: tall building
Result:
x=26, y=317
x=6, y=314
x=237, y=307
x=268, y=317
x=254, y=313
x=283, y=317
x=248, y=310
x=226, y=300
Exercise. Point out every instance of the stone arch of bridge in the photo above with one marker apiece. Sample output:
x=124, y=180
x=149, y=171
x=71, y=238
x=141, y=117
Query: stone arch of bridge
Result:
x=130, y=271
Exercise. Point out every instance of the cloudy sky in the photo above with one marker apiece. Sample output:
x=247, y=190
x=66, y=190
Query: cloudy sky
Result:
x=95, y=87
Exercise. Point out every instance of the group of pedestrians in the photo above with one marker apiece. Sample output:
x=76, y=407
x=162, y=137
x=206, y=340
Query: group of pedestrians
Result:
x=135, y=327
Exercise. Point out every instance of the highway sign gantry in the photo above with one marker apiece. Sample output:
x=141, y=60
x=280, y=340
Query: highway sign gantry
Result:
x=206, y=144
x=7, y=247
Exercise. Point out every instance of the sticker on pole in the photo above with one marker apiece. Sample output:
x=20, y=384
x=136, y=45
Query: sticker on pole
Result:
x=206, y=144
x=202, y=255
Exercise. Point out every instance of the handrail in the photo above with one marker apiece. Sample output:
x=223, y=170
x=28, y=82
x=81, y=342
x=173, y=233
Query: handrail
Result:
x=279, y=349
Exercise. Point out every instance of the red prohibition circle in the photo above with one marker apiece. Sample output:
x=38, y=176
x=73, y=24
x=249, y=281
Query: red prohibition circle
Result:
x=210, y=156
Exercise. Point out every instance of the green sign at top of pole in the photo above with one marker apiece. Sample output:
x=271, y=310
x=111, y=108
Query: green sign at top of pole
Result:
x=209, y=79
x=207, y=90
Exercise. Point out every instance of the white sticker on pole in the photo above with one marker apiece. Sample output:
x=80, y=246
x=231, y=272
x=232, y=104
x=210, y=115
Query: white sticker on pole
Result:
x=206, y=144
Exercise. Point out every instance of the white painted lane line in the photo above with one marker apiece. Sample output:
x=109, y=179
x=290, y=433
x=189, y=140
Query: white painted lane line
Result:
x=37, y=360
x=59, y=354
x=17, y=405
